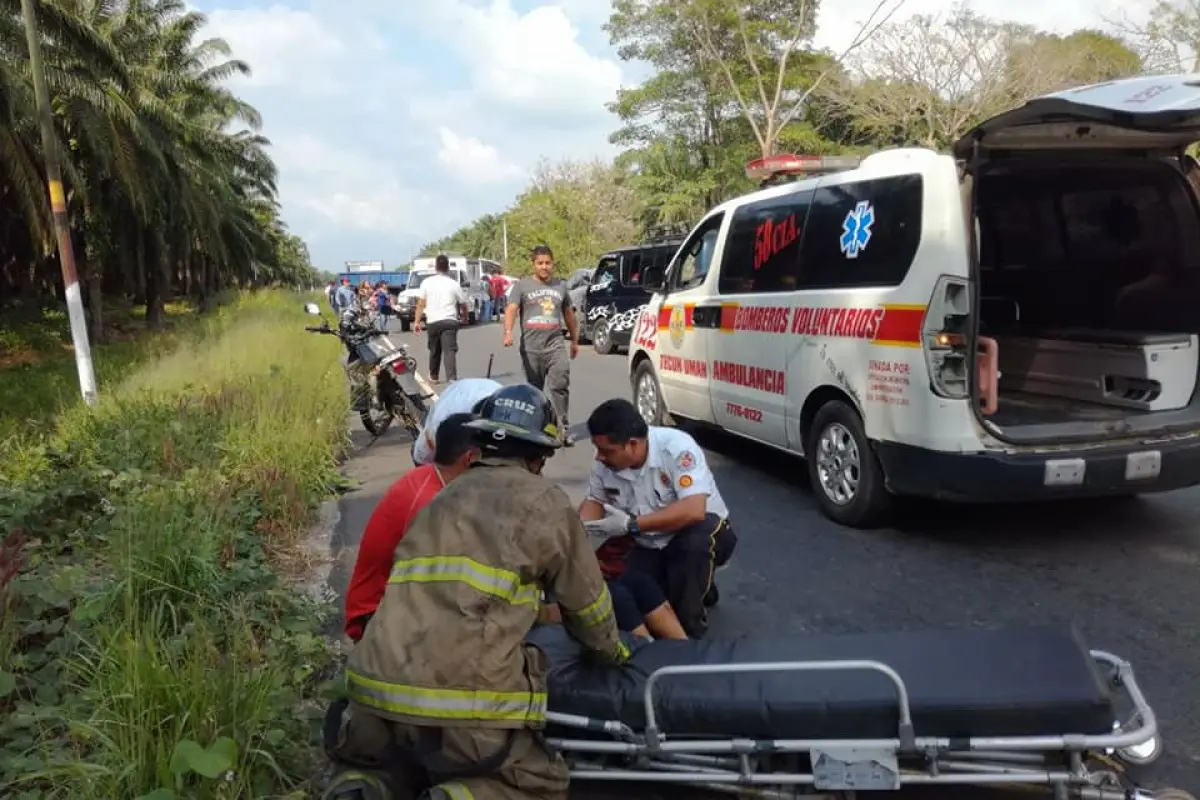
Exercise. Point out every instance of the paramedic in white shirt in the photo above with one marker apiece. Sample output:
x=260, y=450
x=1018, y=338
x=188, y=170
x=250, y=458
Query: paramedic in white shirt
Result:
x=443, y=303
x=653, y=484
x=461, y=398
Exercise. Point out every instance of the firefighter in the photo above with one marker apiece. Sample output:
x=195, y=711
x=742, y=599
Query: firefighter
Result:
x=445, y=698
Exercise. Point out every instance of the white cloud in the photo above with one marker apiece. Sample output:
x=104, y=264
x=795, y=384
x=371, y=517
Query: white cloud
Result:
x=339, y=187
x=284, y=46
x=472, y=161
x=529, y=63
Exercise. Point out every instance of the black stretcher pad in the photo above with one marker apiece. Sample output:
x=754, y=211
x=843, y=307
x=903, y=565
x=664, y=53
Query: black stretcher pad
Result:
x=969, y=683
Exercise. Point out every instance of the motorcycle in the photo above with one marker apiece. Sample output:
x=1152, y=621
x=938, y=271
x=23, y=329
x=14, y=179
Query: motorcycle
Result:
x=383, y=376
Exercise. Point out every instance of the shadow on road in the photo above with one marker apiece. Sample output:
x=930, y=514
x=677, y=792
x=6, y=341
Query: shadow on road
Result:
x=1047, y=525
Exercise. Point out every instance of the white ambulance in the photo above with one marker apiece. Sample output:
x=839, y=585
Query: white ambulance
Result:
x=1015, y=321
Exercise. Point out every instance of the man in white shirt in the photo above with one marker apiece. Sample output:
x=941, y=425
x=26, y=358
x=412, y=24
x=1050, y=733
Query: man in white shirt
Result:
x=461, y=398
x=653, y=484
x=443, y=303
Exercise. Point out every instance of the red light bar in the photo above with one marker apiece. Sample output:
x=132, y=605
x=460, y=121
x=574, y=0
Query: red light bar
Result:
x=791, y=164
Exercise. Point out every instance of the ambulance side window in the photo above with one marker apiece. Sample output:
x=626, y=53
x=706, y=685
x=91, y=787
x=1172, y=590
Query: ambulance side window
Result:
x=763, y=250
x=695, y=257
x=864, y=233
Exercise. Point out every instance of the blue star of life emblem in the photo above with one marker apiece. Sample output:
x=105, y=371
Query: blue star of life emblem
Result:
x=856, y=229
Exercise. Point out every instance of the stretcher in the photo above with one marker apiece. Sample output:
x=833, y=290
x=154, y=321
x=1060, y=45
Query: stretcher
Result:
x=832, y=715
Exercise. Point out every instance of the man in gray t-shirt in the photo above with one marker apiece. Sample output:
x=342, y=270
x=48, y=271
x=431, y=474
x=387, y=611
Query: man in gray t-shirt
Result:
x=545, y=308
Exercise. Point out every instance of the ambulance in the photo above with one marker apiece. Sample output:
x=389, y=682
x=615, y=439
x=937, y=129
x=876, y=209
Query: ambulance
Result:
x=1016, y=320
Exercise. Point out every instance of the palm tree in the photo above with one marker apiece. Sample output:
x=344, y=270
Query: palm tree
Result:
x=170, y=186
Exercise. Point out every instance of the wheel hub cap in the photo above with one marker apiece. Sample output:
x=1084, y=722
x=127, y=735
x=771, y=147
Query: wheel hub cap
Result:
x=647, y=400
x=838, y=464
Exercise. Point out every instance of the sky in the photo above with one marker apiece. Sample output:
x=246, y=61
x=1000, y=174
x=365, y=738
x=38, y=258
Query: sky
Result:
x=395, y=123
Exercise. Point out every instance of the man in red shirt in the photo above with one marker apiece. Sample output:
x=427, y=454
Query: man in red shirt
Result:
x=499, y=288
x=453, y=454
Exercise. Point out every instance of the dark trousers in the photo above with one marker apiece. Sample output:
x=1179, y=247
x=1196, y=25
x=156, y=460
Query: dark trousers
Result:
x=634, y=595
x=443, y=343
x=685, y=568
x=550, y=371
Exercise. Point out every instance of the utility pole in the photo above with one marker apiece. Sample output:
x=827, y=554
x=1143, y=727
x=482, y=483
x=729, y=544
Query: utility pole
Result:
x=58, y=207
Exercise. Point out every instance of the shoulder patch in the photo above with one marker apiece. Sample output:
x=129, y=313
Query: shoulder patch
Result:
x=685, y=482
x=685, y=461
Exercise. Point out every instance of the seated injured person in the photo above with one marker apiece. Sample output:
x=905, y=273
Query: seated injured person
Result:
x=639, y=603
x=652, y=484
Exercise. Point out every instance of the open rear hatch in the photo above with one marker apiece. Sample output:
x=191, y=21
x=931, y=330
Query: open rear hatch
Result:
x=1157, y=113
x=1089, y=371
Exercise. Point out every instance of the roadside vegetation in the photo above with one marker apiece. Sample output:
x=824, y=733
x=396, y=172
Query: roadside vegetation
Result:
x=150, y=645
x=732, y=81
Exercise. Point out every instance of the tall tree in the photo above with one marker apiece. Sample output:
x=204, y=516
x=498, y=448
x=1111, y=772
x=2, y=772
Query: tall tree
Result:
x=762, y=51
x=1168, y=37
x=679, y=128
x=927, y=80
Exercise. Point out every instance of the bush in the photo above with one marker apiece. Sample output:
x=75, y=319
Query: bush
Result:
x=148, y=645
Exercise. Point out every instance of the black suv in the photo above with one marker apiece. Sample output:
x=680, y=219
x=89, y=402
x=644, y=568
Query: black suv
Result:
x=615, y=297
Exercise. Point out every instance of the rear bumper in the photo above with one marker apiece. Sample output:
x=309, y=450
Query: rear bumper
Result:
x=996, y=477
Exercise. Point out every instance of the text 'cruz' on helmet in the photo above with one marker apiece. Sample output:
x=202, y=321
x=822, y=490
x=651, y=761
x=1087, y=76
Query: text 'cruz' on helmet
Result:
x=519, y=412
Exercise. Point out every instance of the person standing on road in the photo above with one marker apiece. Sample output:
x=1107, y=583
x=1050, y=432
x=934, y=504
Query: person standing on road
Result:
x=443, y=674
x=461, y=398
x=330, y=290
x=344, y=297
x=454, y=452
x=499, y=285
x=383, y=304
x=442, y=303
x=654, y=484
x=545, y=307
x=485, y=314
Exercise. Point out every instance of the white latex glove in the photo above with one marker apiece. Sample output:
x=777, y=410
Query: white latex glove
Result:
x=615, y=522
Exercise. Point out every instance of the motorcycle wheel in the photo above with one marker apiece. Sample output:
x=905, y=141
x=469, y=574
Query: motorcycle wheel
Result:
x=376, y=423
x=413, y=415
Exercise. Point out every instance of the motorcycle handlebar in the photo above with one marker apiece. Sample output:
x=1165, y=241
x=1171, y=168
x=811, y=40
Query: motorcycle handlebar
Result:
x=316, y=329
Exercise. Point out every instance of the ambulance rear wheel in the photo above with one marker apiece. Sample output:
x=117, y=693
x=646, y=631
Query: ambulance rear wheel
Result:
x=845, y=474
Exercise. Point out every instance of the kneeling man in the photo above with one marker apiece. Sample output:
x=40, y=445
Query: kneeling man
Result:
x=653, y=483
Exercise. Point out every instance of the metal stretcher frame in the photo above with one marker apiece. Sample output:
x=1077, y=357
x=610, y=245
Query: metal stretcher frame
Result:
x=735, y=765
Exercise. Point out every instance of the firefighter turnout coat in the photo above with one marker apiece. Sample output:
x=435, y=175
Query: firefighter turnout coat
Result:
x=447, y=646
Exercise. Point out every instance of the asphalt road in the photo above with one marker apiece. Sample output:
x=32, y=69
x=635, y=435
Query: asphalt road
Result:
x=1126, y=573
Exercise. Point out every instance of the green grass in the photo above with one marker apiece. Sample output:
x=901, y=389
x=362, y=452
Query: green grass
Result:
x=38, y=376
x=148, y=645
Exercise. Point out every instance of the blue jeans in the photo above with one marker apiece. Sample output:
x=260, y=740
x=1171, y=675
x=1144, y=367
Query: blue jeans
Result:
x=487, y=310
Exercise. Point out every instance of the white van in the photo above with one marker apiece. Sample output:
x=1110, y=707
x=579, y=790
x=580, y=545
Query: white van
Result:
x=1016, y=321
x=470, y=273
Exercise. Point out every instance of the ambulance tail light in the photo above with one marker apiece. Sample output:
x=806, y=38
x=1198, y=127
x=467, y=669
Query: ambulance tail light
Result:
x=946, y=338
